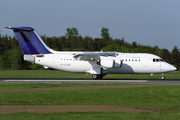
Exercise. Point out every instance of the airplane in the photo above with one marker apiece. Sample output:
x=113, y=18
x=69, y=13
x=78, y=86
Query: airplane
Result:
x=98, y=64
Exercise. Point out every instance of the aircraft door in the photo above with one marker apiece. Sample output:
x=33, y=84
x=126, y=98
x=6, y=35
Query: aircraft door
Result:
x=144, y=62
x=56, y=61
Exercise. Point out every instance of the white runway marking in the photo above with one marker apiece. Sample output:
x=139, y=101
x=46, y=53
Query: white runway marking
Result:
x=79, y=81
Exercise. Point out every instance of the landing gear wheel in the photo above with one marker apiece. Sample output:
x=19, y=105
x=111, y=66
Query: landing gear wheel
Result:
x=162, y=78
x=95, y=76
x=100, y=76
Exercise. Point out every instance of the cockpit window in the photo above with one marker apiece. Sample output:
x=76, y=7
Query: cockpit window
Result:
x=157, y=60
x=161, y=60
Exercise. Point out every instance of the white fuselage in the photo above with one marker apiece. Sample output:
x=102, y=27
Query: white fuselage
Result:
x=96, y=63
x=132, y=63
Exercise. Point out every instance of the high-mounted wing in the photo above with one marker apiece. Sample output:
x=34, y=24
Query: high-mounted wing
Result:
x=92, y=55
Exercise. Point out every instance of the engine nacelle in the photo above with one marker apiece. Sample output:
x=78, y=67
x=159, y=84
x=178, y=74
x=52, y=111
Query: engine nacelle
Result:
x=111, y=63
x=118, y=63
x=107, y=63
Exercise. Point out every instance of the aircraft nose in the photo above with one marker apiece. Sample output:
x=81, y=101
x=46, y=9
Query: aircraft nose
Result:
x=171, y=68
x=168, y=67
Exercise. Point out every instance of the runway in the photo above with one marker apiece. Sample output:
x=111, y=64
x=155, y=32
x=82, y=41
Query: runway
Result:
x=89, y=81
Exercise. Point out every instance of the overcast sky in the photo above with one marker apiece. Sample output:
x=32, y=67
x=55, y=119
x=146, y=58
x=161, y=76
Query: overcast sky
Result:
x=147, y=22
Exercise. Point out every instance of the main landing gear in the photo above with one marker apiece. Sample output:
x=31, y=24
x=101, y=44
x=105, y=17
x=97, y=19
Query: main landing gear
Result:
x=97, y=76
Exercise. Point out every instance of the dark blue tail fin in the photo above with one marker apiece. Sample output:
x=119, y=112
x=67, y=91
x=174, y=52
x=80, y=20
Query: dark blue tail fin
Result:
x=29, y=41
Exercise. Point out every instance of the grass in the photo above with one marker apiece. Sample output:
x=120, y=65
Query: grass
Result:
x=41, y=85
x=90, y=116
x=62, y=74
x=142, y=96
x=165, y=97
x=39, y=74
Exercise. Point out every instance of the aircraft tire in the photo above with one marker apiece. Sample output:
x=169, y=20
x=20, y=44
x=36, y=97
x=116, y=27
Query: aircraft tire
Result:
x=162, y=78
x=95, y=76
x=100, y=76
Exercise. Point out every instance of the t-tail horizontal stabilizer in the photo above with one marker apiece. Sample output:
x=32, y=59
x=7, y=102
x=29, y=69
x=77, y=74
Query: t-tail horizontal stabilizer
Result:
x=29, y=41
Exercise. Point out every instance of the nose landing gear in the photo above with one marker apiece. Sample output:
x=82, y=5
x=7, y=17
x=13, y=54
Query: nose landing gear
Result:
x=162, y=77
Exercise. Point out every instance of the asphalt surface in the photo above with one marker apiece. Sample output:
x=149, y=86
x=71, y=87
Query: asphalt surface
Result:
x=89, y=81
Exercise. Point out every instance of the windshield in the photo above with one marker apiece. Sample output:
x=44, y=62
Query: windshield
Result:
x=157, y=60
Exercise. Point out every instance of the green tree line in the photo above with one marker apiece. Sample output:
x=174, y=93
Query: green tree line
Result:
x=11, y=56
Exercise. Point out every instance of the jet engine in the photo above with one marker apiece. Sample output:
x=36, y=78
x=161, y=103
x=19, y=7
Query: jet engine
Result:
x=109, y=63
x=118, y=63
